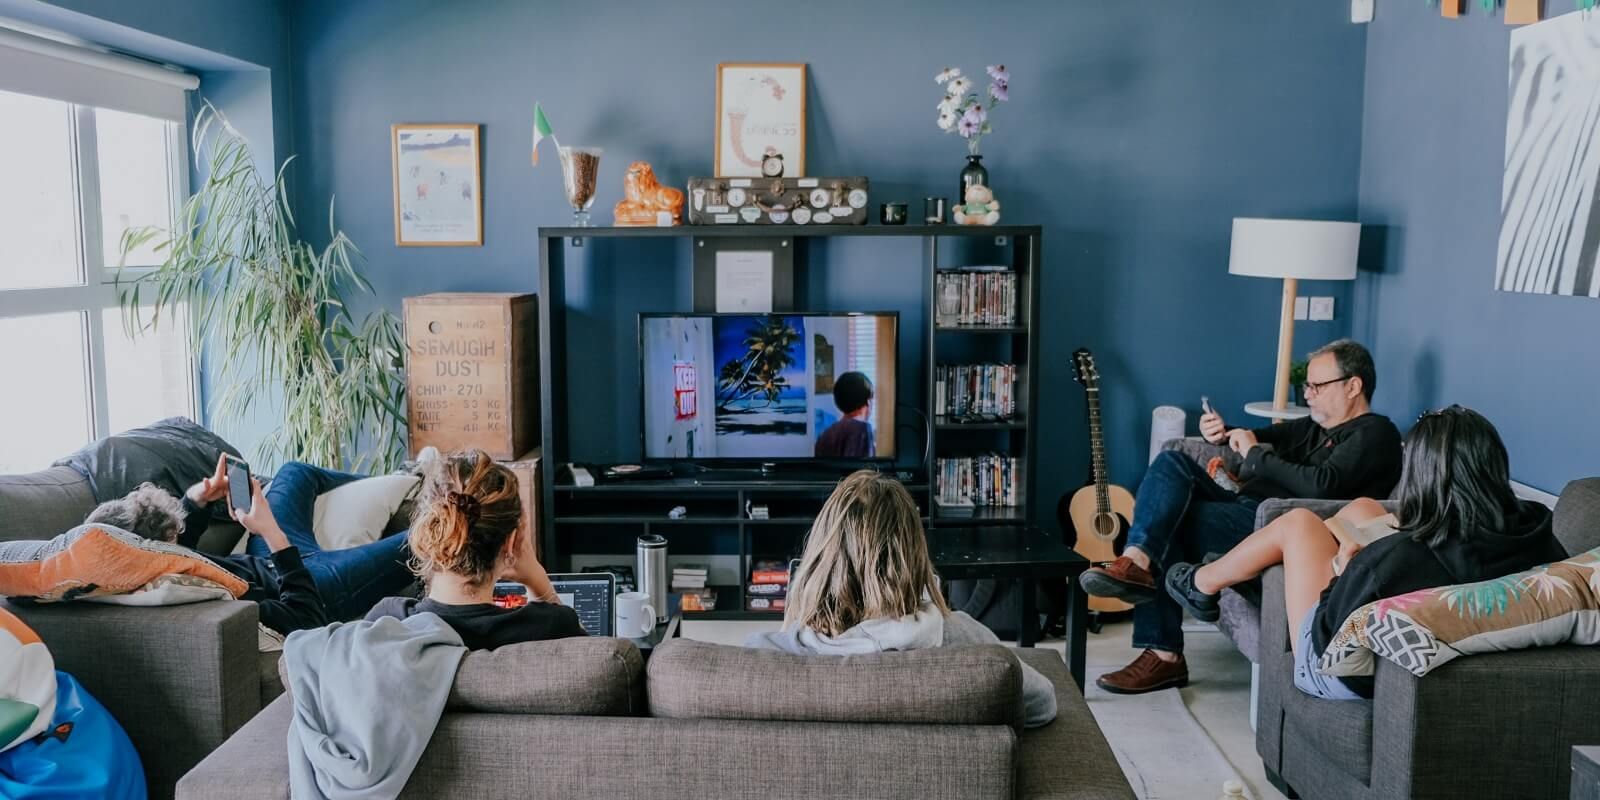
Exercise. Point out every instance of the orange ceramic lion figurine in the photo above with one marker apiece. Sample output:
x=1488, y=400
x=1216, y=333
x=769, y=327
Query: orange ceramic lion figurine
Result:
x=645, y=199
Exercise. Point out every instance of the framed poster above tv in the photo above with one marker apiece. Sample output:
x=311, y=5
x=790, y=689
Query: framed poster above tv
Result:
x=761, y=110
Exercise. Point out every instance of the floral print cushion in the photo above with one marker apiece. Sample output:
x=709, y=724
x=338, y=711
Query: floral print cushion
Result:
x=1553, y=604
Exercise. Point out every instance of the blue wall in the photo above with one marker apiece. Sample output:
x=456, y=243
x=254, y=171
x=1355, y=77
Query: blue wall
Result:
x=1433, y=152
x=1136, y=132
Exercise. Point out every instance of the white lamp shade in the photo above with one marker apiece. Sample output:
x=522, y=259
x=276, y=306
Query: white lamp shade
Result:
x=1294, y=248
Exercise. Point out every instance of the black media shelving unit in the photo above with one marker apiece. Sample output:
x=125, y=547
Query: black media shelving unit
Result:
x=569, y=514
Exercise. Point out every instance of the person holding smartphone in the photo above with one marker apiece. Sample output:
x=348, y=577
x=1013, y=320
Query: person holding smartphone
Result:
x=1341, y=452
x=296, y=584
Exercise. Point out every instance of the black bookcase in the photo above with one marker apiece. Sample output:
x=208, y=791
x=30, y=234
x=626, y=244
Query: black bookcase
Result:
x=604, y=519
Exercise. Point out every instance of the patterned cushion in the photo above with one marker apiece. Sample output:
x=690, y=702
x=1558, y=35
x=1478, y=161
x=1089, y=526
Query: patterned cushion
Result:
x=94, y=560
x=1553, y=604
x=27, y=682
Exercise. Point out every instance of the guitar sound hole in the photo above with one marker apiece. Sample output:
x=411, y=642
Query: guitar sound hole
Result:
x=1105, y=525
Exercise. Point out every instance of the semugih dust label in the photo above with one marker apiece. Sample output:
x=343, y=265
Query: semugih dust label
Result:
x=472, y=372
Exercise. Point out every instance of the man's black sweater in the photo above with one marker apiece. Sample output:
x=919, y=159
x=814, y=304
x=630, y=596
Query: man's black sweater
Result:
x=1360, y=458
x=281, y=587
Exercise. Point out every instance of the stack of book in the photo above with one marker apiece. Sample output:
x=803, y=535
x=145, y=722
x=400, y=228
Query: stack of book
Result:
x=992, y=479
x=688, y=576
x=769, y=585
x=977, y=296
x=975, y=389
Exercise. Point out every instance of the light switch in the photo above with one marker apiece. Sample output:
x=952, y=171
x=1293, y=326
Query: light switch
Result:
x=1300, y=308
x=1321, y=309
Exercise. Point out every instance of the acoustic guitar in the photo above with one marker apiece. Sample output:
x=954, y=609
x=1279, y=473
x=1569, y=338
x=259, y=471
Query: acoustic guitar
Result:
x=1100, y=513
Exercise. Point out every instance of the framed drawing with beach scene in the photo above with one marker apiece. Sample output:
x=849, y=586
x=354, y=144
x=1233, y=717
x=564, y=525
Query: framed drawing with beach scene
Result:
x=761, y=110
x=438, y=185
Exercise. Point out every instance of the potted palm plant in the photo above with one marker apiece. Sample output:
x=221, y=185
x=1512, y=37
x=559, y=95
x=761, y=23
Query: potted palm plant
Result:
x=274, y=311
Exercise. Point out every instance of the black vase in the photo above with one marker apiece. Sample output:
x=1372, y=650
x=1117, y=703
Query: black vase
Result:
x=972, y=173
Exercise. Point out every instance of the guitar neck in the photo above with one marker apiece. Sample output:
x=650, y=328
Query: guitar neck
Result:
x=1097, y=452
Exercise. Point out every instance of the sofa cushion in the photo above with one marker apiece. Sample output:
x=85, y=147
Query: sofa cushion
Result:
x=1577, y=517
x=1553, y=604
x=98, y=559
x=1340, y=730
x=594, y=676
x=1240, y=621
x=41, y=504
x=966, y=685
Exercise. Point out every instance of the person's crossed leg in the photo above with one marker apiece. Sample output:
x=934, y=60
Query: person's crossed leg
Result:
x=350, y=582
x=1181, y=514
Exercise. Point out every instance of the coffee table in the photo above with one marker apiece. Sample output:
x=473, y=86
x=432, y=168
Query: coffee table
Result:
x=1024, y=553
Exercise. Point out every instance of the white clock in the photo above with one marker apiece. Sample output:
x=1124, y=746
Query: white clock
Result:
x=772, y=165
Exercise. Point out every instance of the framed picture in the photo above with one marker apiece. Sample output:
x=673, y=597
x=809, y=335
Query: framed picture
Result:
x=438, y=185
x=761, y=110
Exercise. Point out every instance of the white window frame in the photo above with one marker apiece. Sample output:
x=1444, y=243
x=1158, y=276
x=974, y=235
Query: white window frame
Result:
x=97, y=289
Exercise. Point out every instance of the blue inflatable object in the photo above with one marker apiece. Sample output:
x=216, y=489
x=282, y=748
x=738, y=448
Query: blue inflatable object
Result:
x=83, y=754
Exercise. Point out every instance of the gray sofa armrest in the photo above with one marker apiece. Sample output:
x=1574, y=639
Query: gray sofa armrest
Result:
x=1092, y=773
x=1487, y=725
x=1270, y=510
x=1277, y=670
x=180, y=679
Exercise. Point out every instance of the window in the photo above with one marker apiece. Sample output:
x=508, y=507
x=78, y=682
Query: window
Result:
x=75, y=178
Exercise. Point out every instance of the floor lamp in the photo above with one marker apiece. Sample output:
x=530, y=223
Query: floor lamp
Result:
x=1294, y=250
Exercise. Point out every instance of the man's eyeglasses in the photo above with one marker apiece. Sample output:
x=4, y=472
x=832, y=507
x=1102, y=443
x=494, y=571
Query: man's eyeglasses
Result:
x=1313, y=388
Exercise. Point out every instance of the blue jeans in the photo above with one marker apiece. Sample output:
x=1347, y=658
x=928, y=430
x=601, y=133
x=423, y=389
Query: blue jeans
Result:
x=351, y=581
x=1181, y=514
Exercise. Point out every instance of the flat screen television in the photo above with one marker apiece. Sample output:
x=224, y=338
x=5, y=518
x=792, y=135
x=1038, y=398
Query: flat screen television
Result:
x=768, y=387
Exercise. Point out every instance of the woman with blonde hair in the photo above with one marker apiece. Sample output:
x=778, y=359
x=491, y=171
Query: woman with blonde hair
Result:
x=467, y=533
x=865, y=585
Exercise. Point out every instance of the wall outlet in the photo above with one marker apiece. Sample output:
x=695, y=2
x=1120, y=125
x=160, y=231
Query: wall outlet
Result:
x=1300, y=308
x=1321, y=309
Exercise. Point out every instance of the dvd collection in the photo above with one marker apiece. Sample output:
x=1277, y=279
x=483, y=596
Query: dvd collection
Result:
x=975, y=297
x=986, y=389
x=991, y=479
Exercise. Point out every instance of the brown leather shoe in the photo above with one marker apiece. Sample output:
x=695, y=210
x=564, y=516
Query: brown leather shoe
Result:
x=1147, y=673
x=1121, y=579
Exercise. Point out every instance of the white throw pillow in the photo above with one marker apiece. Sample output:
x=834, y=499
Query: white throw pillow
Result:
x=357, y=512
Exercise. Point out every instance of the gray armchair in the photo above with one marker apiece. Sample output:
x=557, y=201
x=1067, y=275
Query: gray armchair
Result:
x=1489, y=725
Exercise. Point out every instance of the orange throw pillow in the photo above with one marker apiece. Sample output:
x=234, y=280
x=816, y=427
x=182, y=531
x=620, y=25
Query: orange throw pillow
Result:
x=95, y=560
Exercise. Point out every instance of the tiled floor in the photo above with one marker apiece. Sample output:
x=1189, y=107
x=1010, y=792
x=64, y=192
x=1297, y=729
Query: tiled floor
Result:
x=1218, y=694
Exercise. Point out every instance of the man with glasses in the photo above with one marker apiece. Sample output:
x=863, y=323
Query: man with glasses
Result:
x=1341, y=452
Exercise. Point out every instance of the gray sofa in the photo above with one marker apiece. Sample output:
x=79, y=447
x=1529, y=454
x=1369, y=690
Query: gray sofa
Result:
x=583, y=718
x=182, y=679
x=1492, y=725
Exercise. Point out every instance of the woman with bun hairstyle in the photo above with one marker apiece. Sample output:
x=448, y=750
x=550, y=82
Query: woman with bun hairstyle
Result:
x=467, y=533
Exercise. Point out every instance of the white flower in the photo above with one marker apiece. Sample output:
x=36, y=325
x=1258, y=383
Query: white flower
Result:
x=947, y=74
x=949, y=105
x=947, y=120
x=958, y=87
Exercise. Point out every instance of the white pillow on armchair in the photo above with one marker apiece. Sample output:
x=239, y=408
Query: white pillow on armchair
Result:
x=356, y=513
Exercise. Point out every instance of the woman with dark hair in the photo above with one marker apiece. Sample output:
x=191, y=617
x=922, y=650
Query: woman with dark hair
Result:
x=1458, y=522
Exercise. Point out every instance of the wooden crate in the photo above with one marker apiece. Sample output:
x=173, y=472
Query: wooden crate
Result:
x=529, y=475
x=472, y=379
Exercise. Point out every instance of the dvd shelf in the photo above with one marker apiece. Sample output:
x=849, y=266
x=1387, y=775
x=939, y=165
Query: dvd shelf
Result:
x=975, y=390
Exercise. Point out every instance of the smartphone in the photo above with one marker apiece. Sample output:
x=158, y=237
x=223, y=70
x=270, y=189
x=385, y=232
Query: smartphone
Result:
x=239, y=485
x=1205, y=404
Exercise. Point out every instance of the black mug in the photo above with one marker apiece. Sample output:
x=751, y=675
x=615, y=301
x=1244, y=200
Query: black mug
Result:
x=892, y=214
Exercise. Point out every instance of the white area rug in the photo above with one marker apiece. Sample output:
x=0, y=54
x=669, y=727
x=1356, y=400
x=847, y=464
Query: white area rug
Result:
x=1162, y=749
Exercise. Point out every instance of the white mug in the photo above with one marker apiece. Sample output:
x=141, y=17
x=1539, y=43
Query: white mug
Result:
x=636, y=618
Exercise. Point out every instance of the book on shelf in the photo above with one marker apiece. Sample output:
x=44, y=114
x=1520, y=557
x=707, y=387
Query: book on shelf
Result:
x=770, y=576
x=976, y=297
x=990, y=479
x=689, y=576
x=984, y=391
x=768, y=589
x=698, y=600
x=765, y=603
x=680, y=582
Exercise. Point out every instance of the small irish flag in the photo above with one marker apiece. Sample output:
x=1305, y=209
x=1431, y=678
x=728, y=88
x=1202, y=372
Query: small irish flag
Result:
x=541, y=129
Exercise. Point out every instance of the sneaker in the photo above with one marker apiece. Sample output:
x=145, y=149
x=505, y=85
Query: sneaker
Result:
x=1121, y=579
x=1180, y=585
x=1147, y=673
